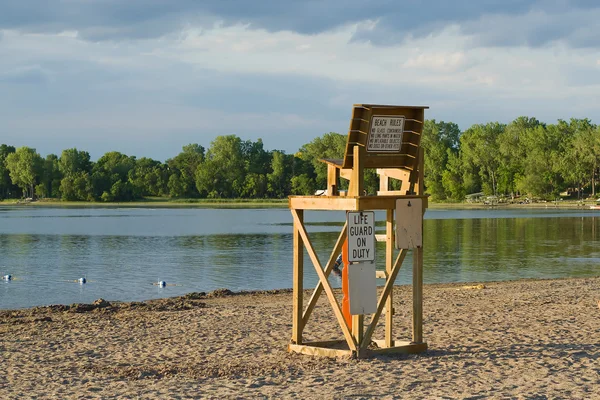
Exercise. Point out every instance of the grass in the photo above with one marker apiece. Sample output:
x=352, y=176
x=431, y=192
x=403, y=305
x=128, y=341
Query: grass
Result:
x=258, y=203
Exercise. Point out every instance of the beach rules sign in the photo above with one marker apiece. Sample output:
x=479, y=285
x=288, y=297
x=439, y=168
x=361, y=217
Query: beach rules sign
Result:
x=385, y=135
x=361, y=236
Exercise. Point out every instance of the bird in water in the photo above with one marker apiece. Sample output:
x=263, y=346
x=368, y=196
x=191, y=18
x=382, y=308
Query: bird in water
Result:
x=82, y=281
x=7, y=277
x=163, y=284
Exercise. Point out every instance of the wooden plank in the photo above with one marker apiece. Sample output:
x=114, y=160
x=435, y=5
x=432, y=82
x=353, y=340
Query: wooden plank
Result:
x=326, y=286
x=356, y=203
x=421, y=175
x=360, y=113
x=396, y=173
x=401, y=347
x=358, y=328
x=389, y=284
x=337, y=249
x=381, y=274
x=357, y=183
x=318, y=351
x=389, y=259
x=346, y=173
x=417, y=320
x=297, y=278
x=390, y=193
x=391, y=160
x=333, y=175
x=383, y=202
x=322, y=203
x=327, y=343
x=384, y=184
x=380, y=237
x=336, y=162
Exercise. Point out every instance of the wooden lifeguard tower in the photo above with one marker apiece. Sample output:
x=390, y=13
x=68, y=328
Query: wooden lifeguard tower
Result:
x=386, y=138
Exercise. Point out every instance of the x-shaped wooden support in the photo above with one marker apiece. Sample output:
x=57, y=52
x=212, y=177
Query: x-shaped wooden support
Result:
x=324, y=285
x=323, y=282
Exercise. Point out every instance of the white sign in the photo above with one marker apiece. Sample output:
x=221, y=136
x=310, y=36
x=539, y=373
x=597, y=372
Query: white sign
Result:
x=385, y=134
x=362, y=288
x=409, y=223
x=361, y=236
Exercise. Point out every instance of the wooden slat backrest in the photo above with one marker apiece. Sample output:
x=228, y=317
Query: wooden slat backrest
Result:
x=360, y=125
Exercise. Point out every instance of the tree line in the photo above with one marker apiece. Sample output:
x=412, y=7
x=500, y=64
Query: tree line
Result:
x=524, y=157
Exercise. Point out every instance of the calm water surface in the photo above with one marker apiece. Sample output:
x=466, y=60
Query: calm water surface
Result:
x=122, y=252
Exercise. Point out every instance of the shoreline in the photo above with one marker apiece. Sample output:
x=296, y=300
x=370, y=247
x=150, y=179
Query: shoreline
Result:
x=510, y=339
x=225, y=292
x=270, y=203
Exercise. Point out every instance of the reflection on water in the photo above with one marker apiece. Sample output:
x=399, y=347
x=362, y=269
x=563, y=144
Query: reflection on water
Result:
x=122, y=252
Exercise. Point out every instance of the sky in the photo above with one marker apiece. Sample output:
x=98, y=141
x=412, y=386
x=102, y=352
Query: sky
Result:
x=146, y=77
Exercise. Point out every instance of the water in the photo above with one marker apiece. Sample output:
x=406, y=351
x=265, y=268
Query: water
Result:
x=123, y=251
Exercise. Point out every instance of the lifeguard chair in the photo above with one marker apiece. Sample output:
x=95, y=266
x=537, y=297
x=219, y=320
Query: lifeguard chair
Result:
x=385, y=138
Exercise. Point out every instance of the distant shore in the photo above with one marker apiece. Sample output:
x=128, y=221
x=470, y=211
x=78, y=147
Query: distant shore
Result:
x=157, y=203
x=519, y=339
x=265, y=203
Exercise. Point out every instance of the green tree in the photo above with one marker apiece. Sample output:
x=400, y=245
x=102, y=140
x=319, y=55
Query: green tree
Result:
x=479, y=145
x=51, y=177
x=149, y=177
x=439, y=140
x=513, y=153
x=257, y=167
x=303, y=185
x=77, y=187
x=223, y=172
x=543, y=146
x=581, y=154
x=279, y=179
x=110, y=177
x=452, y=177
x=330, y=145
x=73, y=161
x=184, y=166
x=25, y=167
x=6, y=185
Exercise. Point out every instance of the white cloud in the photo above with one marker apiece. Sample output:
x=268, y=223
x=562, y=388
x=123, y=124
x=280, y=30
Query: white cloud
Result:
x=150, y=87
x=440, y=61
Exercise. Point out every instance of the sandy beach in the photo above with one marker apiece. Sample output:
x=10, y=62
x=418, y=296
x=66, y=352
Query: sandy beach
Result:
x=524, y=339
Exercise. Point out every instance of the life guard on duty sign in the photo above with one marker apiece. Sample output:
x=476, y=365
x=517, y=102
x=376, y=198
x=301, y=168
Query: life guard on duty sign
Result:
x=361, y=236
x=362, y=287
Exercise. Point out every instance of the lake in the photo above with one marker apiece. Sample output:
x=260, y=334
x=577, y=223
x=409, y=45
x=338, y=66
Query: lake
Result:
x=122, y=252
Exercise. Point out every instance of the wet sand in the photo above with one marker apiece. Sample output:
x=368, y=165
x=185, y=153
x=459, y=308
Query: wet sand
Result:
x=524, y=339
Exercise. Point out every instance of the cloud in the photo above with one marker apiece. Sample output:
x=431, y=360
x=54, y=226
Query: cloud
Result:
x=32, y=74
x=493, y=22
x=146, y=77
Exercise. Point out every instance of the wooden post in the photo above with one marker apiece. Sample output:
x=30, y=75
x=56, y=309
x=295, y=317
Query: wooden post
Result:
x=333, y=177
x=358, y=331
x=297, y=281
x=417, y=331
x=358, y=177
x=389, y=263
x=384, y=183
x=420, y=189
x=418, y=266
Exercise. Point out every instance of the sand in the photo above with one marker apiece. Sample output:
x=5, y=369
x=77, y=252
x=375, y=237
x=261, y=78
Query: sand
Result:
x=523, y=339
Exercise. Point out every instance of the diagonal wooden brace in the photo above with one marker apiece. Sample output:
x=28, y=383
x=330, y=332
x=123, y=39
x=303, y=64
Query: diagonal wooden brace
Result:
x=323, y=279
x=387, y=289
x=328, y=268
